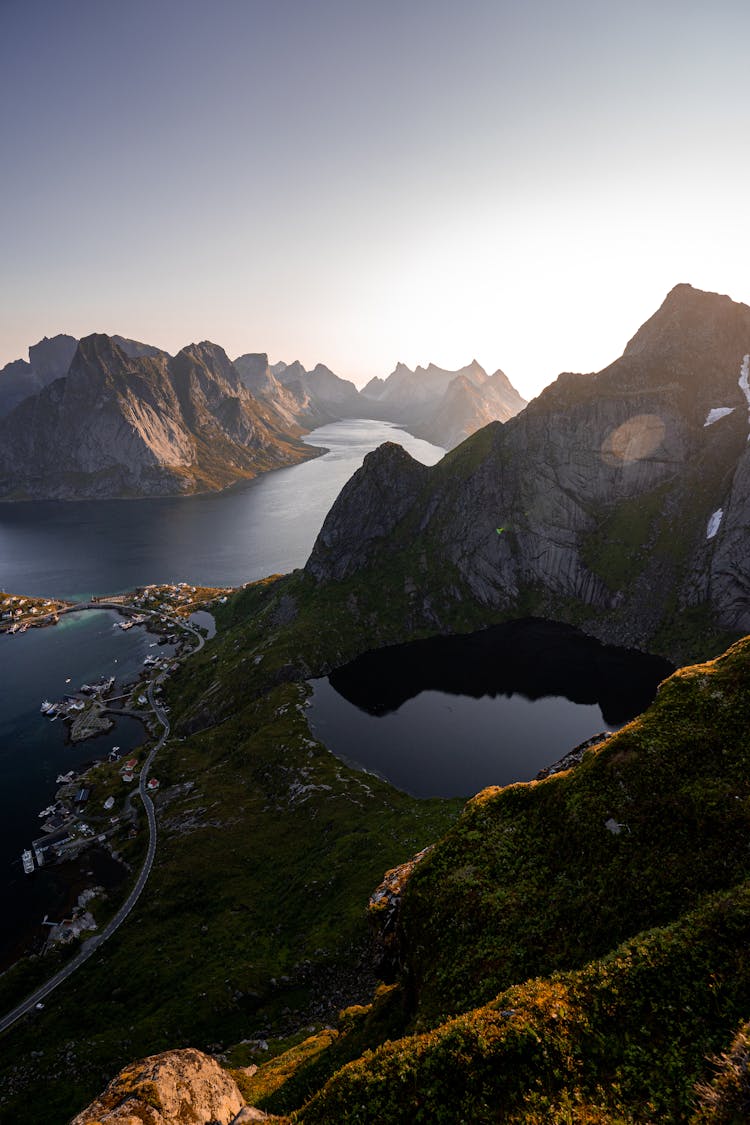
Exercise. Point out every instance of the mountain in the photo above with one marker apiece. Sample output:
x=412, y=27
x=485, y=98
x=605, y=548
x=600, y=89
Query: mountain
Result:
x=333, y=393
x=573, y=949
x=48, y=360
x=405, y=390
x=467, y=406
x=140, y=424
x=443, y=406
x=135, y=349
x=617, y=501
x=305, y=398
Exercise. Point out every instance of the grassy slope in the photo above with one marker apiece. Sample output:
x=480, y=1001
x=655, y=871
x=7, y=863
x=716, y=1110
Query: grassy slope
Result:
x=254, y=918
x=527, y=896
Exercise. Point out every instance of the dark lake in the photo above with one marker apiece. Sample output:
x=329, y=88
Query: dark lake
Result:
x=449, y=716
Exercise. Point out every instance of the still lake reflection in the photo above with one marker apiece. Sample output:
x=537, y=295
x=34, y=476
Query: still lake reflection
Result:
x=449, y=716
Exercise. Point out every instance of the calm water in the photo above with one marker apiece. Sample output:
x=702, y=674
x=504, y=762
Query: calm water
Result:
x=74, y=550
x=449, y=716
x=268, y=526
x=33, y=750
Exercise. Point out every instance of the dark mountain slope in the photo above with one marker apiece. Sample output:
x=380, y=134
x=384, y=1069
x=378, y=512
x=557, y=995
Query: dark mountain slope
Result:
x=48, y=360
x=607, y=502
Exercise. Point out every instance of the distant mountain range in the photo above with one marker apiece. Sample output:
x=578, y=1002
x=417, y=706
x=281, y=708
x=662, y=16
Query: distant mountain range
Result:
x=110, y=416
x=442, y=406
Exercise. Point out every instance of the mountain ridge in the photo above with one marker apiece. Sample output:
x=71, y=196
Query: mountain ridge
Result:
x=595, y=501
x=140, y=424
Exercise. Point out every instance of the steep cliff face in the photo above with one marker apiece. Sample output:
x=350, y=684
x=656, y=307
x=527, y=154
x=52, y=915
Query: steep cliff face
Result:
x=122, y=425
x=378, y=498
x=306, y=399
x=174, y=1088
x=48, y=360
x=616, y=500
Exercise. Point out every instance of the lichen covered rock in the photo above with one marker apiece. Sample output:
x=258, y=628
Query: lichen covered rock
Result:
x=177, y=1086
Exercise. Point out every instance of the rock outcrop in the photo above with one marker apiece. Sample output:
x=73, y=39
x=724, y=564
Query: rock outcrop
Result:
x=175, y=1088
x=141, y=423
x=619, y=501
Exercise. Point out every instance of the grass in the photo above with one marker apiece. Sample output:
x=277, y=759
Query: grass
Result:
x=515, y=998
x=254, y=918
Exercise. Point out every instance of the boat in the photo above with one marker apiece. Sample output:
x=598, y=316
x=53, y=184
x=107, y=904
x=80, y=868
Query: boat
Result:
x=46, y=707
x=27, y=859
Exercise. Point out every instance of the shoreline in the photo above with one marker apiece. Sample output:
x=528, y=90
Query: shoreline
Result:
x=73, y=829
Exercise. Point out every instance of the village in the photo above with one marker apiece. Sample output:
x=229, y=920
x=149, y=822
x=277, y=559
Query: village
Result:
x=97, y=806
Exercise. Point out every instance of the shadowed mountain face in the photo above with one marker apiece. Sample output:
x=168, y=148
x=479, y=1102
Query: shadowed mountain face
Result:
x=619, y=501
x=133, y=421
x=530, y=658
x=305, y=399
x=48, y=360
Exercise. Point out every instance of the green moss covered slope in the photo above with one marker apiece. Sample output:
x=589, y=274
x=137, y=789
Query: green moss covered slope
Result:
x=573, y=950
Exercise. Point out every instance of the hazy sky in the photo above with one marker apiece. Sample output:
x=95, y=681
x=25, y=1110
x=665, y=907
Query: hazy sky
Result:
x=358, y=183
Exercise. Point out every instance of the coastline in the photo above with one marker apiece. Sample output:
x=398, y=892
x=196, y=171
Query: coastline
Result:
x=74, y=831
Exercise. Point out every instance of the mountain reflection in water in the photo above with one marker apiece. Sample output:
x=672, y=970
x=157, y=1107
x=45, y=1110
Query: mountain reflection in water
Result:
x=450, y=715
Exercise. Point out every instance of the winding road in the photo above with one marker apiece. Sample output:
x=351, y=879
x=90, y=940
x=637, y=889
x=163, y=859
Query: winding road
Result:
x=90, y=946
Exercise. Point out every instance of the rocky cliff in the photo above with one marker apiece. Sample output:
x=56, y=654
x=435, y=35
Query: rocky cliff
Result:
x=618, y=501
x=48, y=360
x=138, y=422
x=311, y=398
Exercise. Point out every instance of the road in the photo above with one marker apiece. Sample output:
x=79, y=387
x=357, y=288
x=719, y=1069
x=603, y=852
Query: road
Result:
x=90, y=946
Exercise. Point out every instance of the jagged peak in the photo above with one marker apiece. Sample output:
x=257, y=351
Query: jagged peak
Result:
x=98, y=346
x=689, y=316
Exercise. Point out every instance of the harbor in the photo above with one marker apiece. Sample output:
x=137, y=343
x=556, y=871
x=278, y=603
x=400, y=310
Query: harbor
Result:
x=54, y=751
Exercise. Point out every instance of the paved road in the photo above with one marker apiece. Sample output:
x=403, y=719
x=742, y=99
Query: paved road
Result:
x=93, y=943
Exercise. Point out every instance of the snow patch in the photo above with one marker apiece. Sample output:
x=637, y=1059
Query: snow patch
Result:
x=713, y=523
x=716, y=413
x=744, y=381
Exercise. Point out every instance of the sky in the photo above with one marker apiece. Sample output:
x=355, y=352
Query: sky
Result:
x=360, y=183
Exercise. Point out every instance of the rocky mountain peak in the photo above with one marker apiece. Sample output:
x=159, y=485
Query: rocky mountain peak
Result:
x=695, y=322
x=369, y=508
x=206, y=360
x=96, y=358
x=51, y=357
